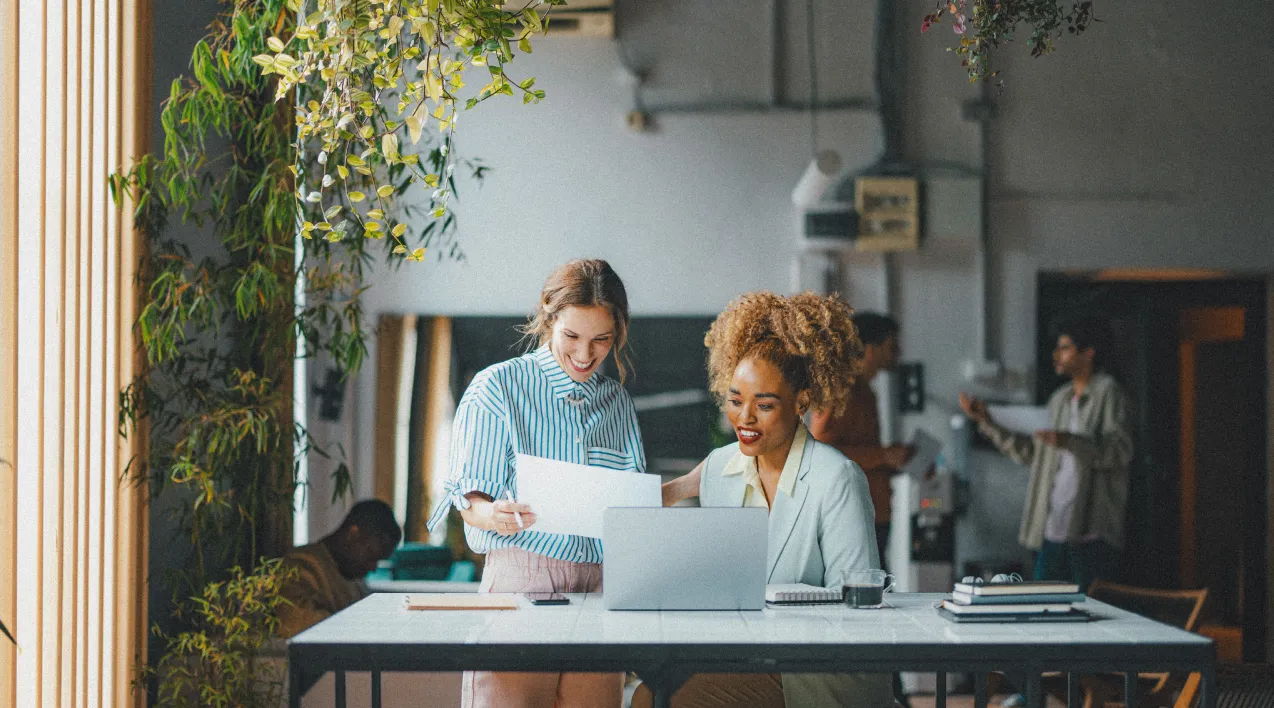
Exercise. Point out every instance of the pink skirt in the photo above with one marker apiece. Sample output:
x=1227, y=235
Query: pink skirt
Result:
x=515, y=570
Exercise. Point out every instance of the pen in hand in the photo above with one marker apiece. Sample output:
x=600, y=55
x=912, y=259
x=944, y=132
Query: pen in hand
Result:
x=517, y=515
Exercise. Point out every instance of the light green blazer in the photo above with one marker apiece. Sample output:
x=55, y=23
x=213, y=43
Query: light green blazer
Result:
x=825, y=529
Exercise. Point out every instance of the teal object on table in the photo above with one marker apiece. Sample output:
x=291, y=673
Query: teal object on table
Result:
x=419, y=561
x=462, y=572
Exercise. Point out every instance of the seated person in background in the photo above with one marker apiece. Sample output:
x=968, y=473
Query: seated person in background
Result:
x=772, y=358
x=329, y=571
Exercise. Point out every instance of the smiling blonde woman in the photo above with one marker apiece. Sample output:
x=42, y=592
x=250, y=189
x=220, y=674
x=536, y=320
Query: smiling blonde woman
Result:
x=551, y=402
x=770, y=359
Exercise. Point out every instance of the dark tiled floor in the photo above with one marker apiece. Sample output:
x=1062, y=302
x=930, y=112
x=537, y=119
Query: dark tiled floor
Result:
x=966, y=701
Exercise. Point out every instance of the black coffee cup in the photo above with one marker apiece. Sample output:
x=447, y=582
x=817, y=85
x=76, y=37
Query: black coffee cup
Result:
x=865, y=589
x=859, y=596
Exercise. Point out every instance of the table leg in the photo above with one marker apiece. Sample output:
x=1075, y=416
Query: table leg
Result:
x=1034, y=692
x=340, y=688
x=980, y=698
x=376, y=689
x=1207, y=687
x=1130, y=689
x=940, y=691
x=1073, y=696
x=664, y=684
x=294, y=686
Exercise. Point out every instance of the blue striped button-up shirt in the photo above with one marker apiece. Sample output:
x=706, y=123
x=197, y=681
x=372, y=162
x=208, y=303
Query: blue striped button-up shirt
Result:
x=529, y=405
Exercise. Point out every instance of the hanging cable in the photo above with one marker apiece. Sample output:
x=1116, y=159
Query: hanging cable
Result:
x=813, y=74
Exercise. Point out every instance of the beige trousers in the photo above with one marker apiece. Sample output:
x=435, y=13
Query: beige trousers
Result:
x=516, y=570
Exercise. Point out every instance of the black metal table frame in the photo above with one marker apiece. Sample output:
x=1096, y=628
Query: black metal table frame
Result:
x=667, y=666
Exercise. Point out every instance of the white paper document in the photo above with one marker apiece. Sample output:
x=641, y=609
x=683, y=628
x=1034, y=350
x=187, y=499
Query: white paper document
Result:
x=1021, y=419
x=926, y=449
x=569, y=498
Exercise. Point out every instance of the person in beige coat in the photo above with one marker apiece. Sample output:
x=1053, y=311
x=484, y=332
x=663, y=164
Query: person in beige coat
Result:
x=771, y=359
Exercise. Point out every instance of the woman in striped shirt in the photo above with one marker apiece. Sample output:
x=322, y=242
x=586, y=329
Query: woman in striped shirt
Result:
x=550, y=402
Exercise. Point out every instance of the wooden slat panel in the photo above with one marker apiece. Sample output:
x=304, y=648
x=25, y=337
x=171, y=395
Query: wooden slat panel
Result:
x=103, y=259
x=93, y=206
x=48, y=384
x=79, y=100
x=116, y=556
x=54, y=660
x=133, y=137
x=30, y=314
x=71, y=556
x=73, y=631
x=8, y=343
x=136, y=137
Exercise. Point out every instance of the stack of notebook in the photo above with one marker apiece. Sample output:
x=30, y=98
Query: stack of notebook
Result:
x=801, y=594
x=1040, y=601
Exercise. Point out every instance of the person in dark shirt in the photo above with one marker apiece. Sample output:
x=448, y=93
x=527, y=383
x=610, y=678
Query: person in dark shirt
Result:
x=329, y=571
x=856, y=432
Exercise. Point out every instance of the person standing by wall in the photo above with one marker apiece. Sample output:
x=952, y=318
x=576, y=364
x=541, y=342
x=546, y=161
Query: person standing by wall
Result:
x=1074, y=513
x=856, y=432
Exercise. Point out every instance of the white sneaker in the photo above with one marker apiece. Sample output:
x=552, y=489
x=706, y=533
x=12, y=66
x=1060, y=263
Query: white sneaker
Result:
x=1016, y=700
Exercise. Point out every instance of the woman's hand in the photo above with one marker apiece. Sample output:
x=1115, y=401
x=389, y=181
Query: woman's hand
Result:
x=682, y=487
x=500, y=516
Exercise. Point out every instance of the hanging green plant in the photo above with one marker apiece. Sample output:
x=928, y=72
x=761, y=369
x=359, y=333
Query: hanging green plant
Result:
x=983, y=24
x=317, y=134
x=355, y=58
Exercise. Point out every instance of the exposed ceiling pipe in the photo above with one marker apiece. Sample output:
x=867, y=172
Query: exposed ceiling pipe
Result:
x=888, y=80
x=981, y=110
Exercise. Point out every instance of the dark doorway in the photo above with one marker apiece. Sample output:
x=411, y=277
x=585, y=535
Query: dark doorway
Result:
x=1191, y=354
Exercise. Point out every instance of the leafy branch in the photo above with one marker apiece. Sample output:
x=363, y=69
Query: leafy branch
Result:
x=211, y=663
x=355, y=57
x=983, y=24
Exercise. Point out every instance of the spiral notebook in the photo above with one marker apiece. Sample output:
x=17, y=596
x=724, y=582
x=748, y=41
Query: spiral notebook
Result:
x=801, y=594
x=461, y=601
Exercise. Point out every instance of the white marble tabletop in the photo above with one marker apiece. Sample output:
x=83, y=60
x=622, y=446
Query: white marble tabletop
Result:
x=379, y=632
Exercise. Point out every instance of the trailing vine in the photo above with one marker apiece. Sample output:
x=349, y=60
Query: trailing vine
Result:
x=358, y=57
x=983, y=24
x=258, y=148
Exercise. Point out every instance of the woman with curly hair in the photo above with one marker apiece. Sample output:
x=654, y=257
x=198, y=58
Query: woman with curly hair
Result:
x=771, y=359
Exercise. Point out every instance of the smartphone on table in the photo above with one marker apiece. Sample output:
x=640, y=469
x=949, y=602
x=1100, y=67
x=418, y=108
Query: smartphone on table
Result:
x=547, y=598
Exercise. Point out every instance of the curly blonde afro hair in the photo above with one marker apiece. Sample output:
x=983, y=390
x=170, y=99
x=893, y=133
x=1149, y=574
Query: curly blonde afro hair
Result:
x=809, y=338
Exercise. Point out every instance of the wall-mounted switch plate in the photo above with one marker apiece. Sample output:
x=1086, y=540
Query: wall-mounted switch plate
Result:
x=911, y=387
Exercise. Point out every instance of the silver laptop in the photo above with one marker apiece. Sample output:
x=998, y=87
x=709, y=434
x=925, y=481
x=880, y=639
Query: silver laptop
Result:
x=684, y=558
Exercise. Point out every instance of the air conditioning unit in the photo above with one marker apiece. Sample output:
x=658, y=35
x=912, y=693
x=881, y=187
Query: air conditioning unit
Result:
x=582, y=18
